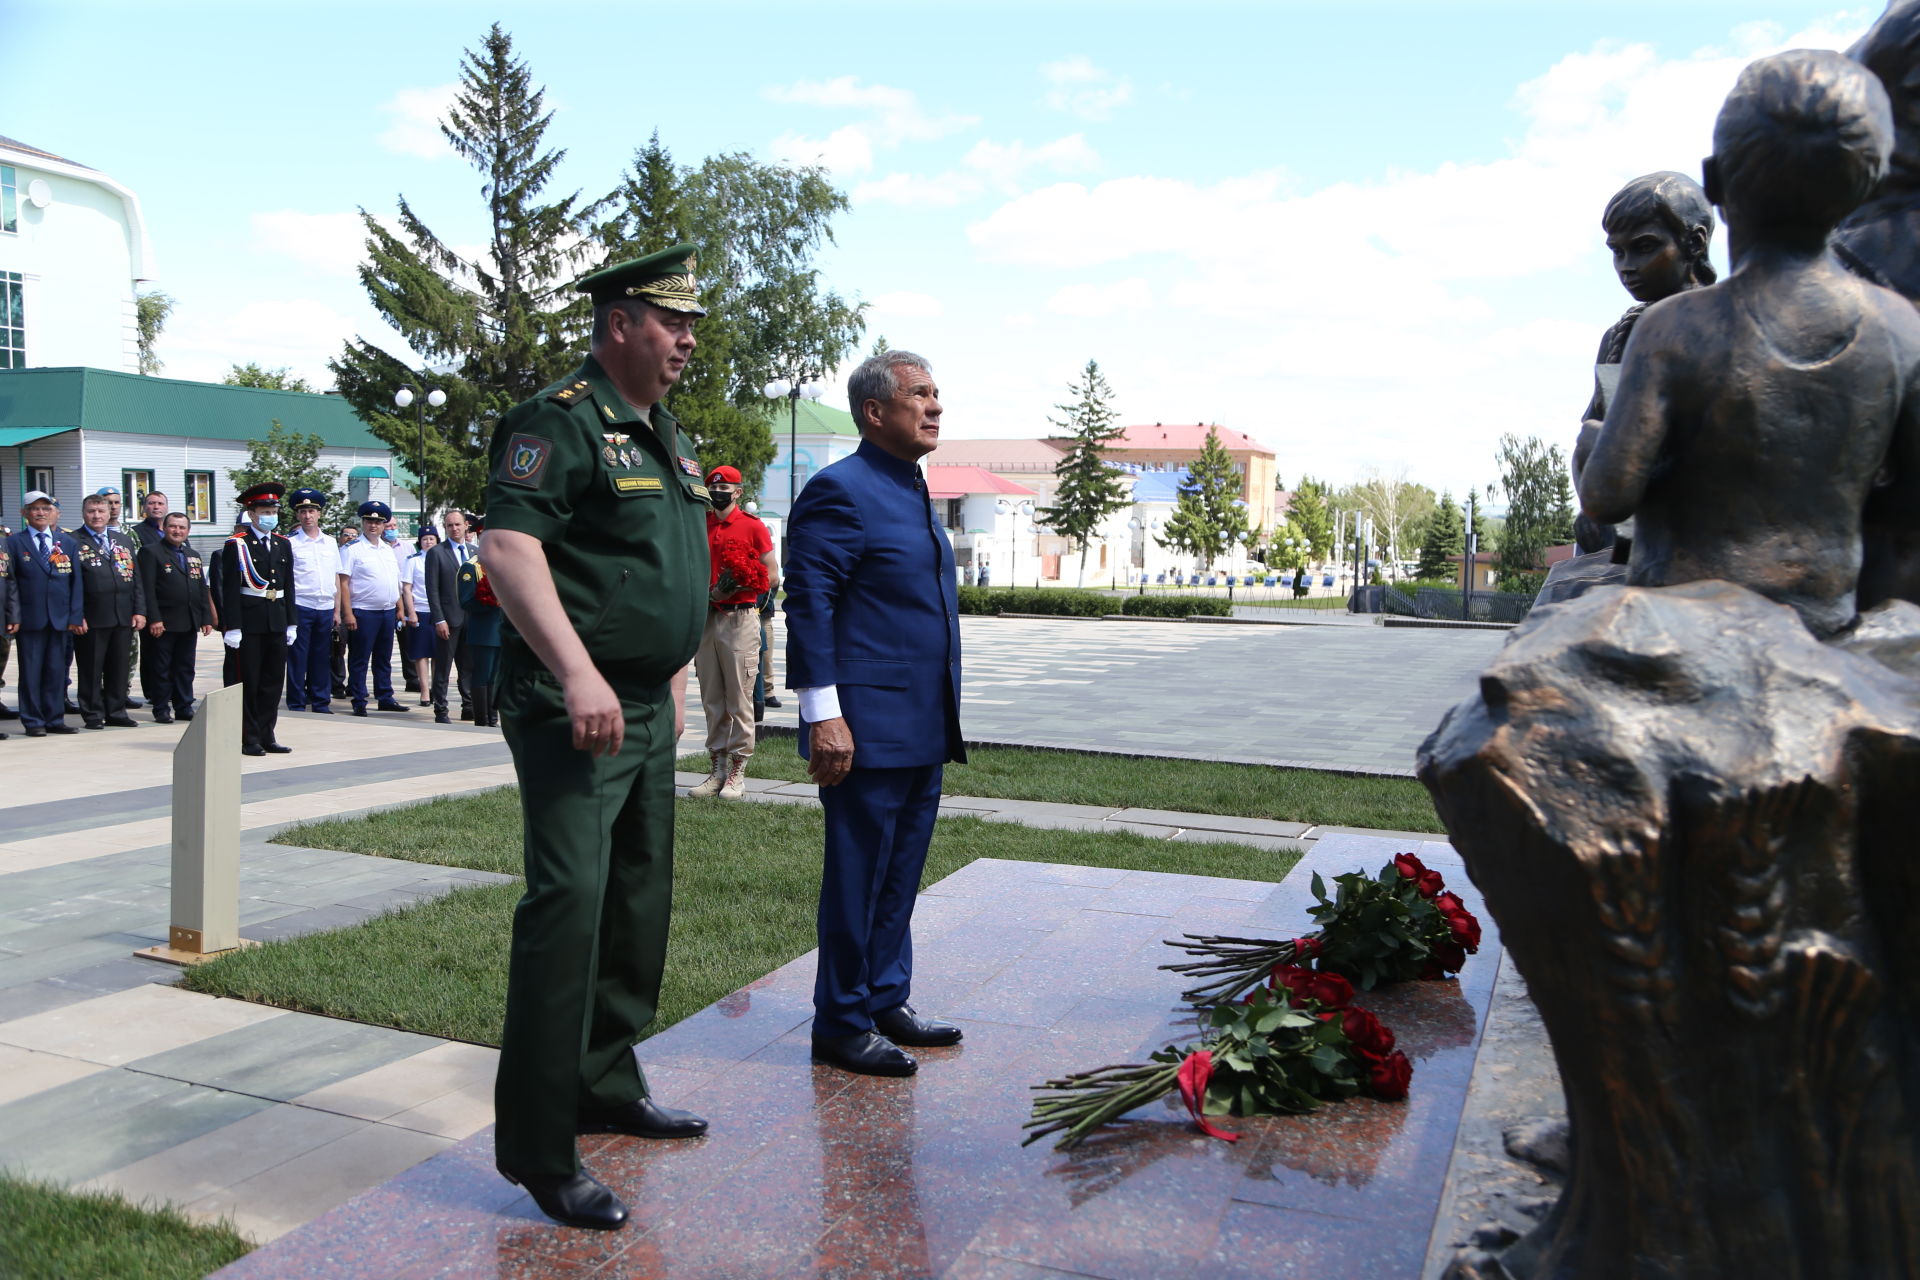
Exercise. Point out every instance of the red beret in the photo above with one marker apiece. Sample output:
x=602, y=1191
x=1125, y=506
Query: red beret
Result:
x=727, y=475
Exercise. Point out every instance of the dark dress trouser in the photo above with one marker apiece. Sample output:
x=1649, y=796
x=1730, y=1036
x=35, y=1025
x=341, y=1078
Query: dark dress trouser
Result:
x=44, y=654
x=261, y=670
x=100, y=662
x=879, y=823
x=590, y=934
x=451, y=652
x=309, y=683
x=173, y=656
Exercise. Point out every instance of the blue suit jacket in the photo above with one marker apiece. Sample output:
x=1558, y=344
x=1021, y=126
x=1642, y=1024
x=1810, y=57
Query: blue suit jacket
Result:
x=872, y=608
x=49, y=600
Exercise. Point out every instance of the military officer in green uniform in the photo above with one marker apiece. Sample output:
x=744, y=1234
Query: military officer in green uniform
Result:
x=596, y=547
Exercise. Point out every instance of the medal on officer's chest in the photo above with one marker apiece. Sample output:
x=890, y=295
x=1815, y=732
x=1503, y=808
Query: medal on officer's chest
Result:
x=611, y=455
x=616, y=453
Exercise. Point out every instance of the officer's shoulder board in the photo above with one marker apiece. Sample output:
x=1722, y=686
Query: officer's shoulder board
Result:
x=573, y=393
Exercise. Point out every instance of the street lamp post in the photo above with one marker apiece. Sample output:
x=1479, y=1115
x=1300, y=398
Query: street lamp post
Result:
x=1472, y=547
x=408, y=394
x=791, y=391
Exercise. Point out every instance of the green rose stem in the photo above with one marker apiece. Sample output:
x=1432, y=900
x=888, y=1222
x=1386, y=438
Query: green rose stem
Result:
x=1235, y=964
x=1091, y=1098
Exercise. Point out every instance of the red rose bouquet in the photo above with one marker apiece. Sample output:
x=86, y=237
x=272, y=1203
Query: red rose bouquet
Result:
x=483, y=591
x=736, y=572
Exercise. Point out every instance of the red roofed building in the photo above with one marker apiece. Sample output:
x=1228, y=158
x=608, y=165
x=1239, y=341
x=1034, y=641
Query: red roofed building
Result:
x=1179, y=444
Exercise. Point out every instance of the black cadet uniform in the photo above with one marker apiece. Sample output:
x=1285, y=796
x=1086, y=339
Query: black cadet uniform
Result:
x=619, y=504
x=113, y=598
x=256, y=599
x=174, y=585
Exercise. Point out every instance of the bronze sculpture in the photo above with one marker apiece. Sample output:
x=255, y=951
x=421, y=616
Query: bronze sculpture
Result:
x=1687, y=800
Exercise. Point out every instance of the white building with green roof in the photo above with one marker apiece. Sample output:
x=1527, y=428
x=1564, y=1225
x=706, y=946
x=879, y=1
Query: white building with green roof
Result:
x=817, y=435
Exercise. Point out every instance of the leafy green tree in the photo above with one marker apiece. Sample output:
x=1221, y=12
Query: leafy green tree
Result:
x=1443, y=536
x=293, y=459
x=1208, y=515
x=151, y=311
x=505, y=321
x=1533, y=476
x=1090, y=488
x=1397, y=507
x=758, y=227
x=1311, y=518
x=251, y=374
x=880, y=346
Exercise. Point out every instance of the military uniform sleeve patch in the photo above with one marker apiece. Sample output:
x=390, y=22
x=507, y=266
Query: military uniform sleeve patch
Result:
x=525, y=461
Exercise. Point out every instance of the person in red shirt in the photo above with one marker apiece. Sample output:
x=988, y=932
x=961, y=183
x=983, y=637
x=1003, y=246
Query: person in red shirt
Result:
x=728, y=659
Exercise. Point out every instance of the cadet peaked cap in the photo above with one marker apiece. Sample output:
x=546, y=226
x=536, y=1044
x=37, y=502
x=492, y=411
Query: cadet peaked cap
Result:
x=375, y=511
x=665, y=279
x=725, y=475
x=38, y=495
x=265, y=494
x=309, y=498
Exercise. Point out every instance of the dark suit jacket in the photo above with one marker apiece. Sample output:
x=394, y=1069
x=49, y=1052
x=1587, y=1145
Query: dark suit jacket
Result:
x=9, y=590
x=145, y=534
x=180, y=600
x=443, y=586
x=51, y=597
x=256, y=615
x=872, y=608
x=109, y=581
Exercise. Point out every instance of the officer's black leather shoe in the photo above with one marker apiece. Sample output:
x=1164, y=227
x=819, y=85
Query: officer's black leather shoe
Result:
x=275, y=749
x=864, y=1054
x=8, y=713
x=322, y=711
x=61, y=727
x=96, y=724
x=162, y=717
x=253, y=749
x=123, y=722
x=643, y=1118
x=902, y=1025
x=35, y=731
x=136, y=703
x=572, y=1199
x=359, y=709
x=441, y=717
x=391, y=705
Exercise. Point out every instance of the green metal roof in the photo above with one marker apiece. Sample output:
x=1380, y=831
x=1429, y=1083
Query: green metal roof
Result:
x=27, y=435
x=368, y=473
x=816, y=417
x=47, y=401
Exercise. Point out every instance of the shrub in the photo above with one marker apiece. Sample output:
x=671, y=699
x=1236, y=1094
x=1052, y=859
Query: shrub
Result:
x=1064, y=602
x=1177, y=606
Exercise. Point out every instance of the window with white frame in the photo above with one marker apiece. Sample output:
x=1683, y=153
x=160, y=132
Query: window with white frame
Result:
x=9, y=199
x=41, y=478
x=134, y=488
x=13, y=321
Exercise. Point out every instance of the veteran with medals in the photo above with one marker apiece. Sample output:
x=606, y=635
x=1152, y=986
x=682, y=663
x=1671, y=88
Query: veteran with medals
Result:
x=596, y=547
x=115, y=608
x=256, y=614
x=173, y=583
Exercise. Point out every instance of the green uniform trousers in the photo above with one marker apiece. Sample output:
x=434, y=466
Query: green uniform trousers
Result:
x=590, y=935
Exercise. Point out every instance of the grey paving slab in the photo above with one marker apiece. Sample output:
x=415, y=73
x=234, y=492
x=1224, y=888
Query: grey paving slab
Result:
x=1212, y=822
x=284, y=1057
x=112, y=1118
x=1275, y=843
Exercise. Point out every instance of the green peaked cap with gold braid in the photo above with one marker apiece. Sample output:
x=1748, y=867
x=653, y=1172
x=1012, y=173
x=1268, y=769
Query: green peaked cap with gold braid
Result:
x=665, y=279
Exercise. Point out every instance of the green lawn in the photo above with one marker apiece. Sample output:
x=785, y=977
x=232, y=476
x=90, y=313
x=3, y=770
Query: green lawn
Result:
x=1187, y=786
x=47, y=1233
x=745, y=885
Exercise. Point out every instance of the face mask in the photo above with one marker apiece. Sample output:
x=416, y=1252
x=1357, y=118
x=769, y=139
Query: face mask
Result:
x=267, y=524
x=721, y=501
x=391, y=535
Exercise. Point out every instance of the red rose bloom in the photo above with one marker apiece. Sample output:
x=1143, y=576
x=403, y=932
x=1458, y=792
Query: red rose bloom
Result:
x=1307, y=948
x=1330, y=989
x=1465, y=929
x=1390, y=1076
x=1409, y=865
x=1430, y=883
x=1448, y=903
x=1368, y=1034
x=1449, y=956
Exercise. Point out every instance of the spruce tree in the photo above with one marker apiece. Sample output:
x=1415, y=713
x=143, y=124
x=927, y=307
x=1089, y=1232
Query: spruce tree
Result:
x=757, y=228
x=1208, y=514
x=1090, y=488
x=505, y=321
x=1444, y=536
x=1307, y=512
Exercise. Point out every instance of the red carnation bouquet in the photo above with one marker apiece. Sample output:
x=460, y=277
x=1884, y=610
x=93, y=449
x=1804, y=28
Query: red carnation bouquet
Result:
x=1283, y=1050
x=1392, y=927
x=737, y=571
x=483, y=591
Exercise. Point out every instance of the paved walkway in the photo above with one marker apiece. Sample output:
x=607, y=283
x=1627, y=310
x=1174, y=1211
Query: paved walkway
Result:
x=110, y=1077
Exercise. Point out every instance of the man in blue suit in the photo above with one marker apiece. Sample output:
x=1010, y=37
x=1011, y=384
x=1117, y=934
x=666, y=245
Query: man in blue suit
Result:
x=46, y=567
x=873, y=651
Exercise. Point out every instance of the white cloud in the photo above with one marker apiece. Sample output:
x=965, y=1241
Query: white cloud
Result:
x=333, y=243
x=415, y=130
x=1091, y=300
x=1082, y=89
x=987, y=165
x=847, y=150
x=915, y=190
x=908, y=305
x=297, y=333
x=890, y=117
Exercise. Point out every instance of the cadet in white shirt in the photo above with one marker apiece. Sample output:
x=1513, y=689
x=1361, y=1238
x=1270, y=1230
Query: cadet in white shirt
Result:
x=374, y=607
x=316, y=602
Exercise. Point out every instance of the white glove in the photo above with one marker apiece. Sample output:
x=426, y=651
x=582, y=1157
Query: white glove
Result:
x=231, y=639
x=293, y=633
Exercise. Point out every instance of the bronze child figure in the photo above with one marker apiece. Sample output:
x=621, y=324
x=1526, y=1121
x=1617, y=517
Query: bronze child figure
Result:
x=1753, y=417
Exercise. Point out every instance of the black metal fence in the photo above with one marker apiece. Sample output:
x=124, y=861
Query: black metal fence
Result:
x=1442, y=604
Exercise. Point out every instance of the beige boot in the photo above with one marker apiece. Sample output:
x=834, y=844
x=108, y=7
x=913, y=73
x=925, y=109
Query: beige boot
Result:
x=735, y=785
x=714, y=779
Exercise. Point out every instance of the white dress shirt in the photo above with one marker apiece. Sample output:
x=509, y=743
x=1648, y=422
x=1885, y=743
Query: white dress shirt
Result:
x=373, y=575
x=316, y=570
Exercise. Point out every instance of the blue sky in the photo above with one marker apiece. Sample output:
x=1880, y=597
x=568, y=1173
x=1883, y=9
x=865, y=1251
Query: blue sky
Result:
x=1364, y=233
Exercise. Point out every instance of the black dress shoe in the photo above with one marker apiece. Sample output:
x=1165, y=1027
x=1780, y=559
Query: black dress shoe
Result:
x=163, y=717
x=35, y=731
x=902, y=1025
x=275, y=749
x=773, y=702
x=864, y=1054
x=136, y=703
x=8, y=713
x=61, y=727
x=323, y=711
x=391, y=705
x=252, y=749
x=359, y=709
x=185, y=717
x=466, y=713
x=123, y=722
x=72, y=708
x=643, y=1118
x=572, y=1199
x=441, y=717
x=96, y=724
